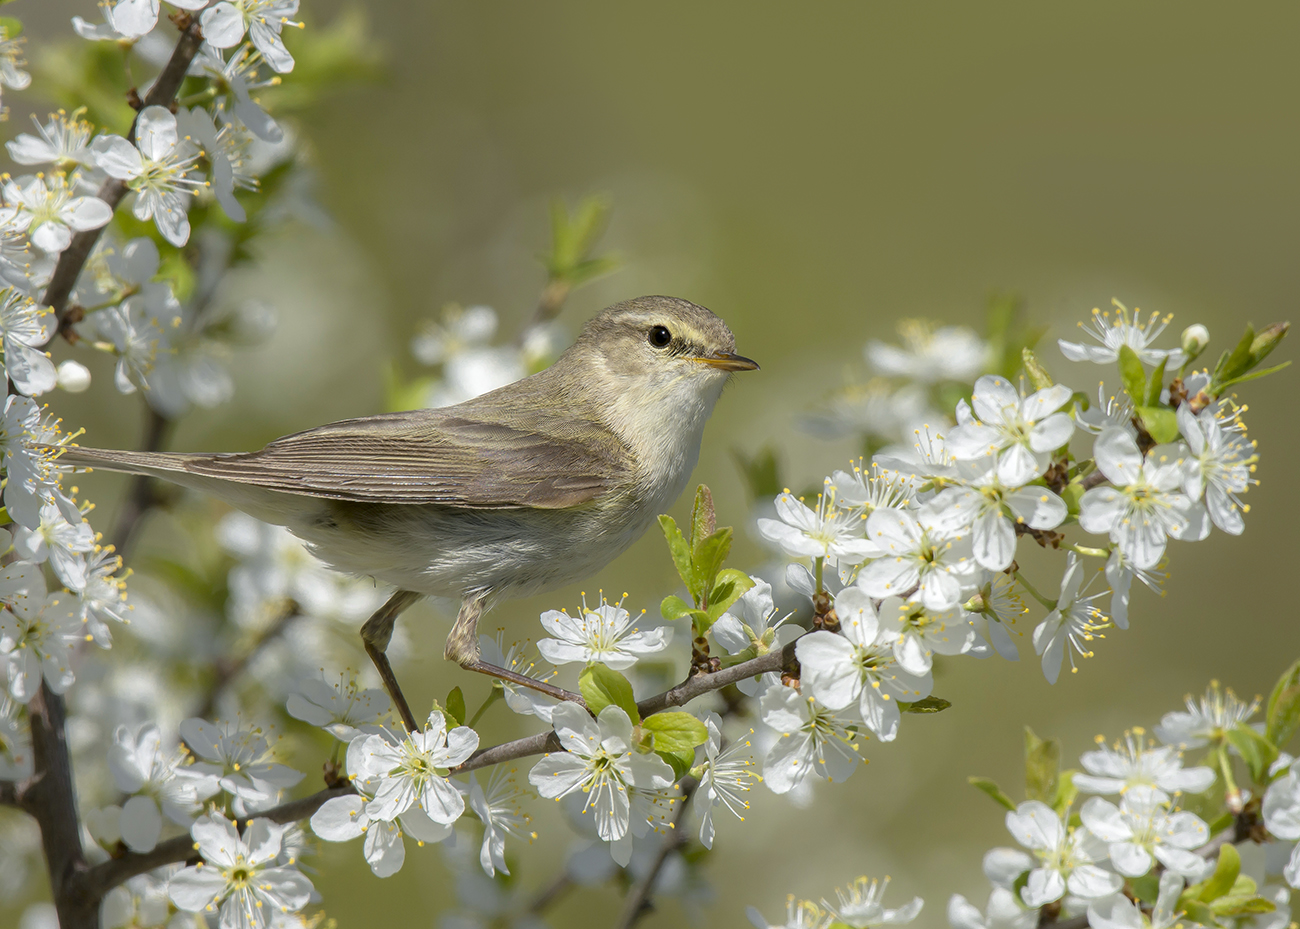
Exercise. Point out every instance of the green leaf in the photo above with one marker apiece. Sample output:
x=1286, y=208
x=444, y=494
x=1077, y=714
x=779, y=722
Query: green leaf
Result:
x=1224, y=877
x=601, y=687
x=1038, y=375
x=1147, y=887
x=674, y=607
x=1072, y=494
x=707, y=557
x=924, y=705
x=1042, y=764
x=729, y=586
x=680, y=550
x=1156, y=383
x=1242, y=905
x=456, y=708
x=675, y=732
x=1266, y=340
x=1257, y=751
x=1196, y=911
x=703, y=518
x=992, y=789
x=12, y=27
x=679, y=761
x=1132, y=373
x=1238, y=361
x=1160, y=422
x=1283, y=713
x=1253, y=375
x=1065, y=792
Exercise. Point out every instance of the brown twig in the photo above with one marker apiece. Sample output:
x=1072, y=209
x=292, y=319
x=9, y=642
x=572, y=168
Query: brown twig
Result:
x=229, y=669
x=163, y=93
x=553, y=891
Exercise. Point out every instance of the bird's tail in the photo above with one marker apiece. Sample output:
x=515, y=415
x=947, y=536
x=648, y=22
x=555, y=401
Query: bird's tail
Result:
x=165, y=465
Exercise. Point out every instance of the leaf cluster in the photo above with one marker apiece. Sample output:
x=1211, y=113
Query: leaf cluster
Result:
x=699, y=559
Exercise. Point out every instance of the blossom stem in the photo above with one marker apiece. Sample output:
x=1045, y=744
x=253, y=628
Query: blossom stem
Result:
x=1085, y=550
x=819, y=564
x=496, y=694
x=1232, y=795
x=1020, y=579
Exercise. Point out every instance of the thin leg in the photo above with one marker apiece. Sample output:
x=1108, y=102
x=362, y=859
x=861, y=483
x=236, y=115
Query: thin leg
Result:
x=376, y=634
x=462, y=648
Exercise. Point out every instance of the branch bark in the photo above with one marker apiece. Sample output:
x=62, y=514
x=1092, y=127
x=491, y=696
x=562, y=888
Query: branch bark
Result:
x=163, y=93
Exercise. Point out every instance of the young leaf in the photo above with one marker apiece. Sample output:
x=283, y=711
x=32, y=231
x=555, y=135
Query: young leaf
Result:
x=1266, y=340
x=925, y=705
x=1042, y=764
x=680, y=550
x=1254, y=375
x=602, y=687
x=707, y=557
x=1283, y=712
x=1160, y=422
x=729, y=586
x=993, y=790
x=1238, y=362
x=680, y=762
x=1065, y=792
x=1257, y=751
x=1156, y=383
x=703, y=519
x=455, y=708
x=1225, y=874
x=675, y=732
x=1132, y=373
x=1038, y=375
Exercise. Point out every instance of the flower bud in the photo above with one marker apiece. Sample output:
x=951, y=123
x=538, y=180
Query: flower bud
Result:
x=1195, y=338
x=1266, y=340
x=74, y=377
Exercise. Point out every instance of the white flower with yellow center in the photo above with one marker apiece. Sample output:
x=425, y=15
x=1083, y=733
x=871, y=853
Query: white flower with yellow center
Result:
x=1065, y=856
x=829, y=530
x=920, y=558
x=1125, y=329
x=1073, y=624
x=413, y=772
x=813, y=739
x=605, y=635
x=1207, y=721
x=1131, y=763
x=45, y=207
x=1021, y=432
x=1220, y=465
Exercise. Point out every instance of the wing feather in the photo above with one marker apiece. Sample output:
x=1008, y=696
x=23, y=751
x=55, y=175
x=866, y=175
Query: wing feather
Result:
x=431, y=456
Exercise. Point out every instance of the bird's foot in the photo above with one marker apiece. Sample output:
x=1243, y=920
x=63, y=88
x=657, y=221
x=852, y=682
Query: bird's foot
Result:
x=375, y=634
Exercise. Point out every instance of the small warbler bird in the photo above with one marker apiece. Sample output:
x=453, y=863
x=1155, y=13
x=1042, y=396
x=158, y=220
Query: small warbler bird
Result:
x=519, y=491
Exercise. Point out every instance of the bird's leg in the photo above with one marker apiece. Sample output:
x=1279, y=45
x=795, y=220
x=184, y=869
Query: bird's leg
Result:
x=376, y=634
x=462, y=648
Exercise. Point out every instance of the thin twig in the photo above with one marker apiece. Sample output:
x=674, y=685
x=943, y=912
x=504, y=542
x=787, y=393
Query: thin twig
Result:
x=112, y=191
x=553, y=891
x=228, y=670
x=638, y=903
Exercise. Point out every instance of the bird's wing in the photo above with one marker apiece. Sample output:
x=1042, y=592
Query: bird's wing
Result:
x=428, y=456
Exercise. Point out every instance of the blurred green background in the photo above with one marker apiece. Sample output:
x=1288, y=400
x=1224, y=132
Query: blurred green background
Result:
x=811, y=173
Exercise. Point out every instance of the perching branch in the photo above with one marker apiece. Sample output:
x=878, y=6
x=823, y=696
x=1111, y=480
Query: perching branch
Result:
x=163, y=93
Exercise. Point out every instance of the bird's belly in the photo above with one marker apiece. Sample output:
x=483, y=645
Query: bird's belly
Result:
x=443, y=551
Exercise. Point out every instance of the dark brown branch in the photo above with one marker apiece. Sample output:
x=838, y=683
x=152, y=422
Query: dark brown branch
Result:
x=92, y=883
x=163, y=93
x=9, y=794
x=49, y=797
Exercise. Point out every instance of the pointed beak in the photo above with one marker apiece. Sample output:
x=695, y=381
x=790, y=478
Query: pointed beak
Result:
x=728, y=361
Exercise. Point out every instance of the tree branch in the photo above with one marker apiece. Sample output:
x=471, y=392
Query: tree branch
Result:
x=229, y=669
x=112, y=191
x=638, y=899
x=92, y=883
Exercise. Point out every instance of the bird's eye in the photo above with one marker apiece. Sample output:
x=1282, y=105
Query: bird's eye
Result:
x=659, y=336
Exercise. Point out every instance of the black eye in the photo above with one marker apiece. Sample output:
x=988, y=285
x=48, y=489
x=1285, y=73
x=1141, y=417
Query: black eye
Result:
x=659, y=336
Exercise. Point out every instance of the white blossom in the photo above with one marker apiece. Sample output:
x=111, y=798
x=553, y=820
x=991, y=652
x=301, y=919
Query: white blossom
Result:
x=11, y=62
x=919, y=553
x=857, y=668
x=1071, y=625
x=240, y=876
x=1020, y=431
x=63, y=141
x=829, y=531
x=874, y=488
x=522, y=700
x=46, y=208
x=990, y=511
x=605, y=635
x=99, y=597
x=917, y=633
x=750, y=628
x=994, y=609
x=1129, y=764
x=1120, y=572
x=1142, y=831
x=497, y=807
x=225, y=23
x=953, y=353
x=1119, y=912
x=340, y=708
x=1146, y=503
x=1219, y=466
x=412, y=771
x=724, y=777
x=813, y=739
x=36, y=635
x=1002, y=912
x=25, y=327
x=73, y=376
x=61, y=542
x=599, y=761
x=1111, y=411
x=16, y=760
x=238, y=77
x=1206, y=721
x=1124, y=329
x=241, y=761
x=861, y=906
x=158, y=168
x=160, y=782
x=1281, y=807
x=1065, y=856
x=799, y=914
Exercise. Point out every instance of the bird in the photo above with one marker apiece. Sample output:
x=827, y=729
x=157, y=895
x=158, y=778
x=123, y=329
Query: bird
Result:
x=518, y=491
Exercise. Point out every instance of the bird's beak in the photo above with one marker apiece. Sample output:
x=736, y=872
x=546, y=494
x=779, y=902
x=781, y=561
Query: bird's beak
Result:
x=728, y=361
